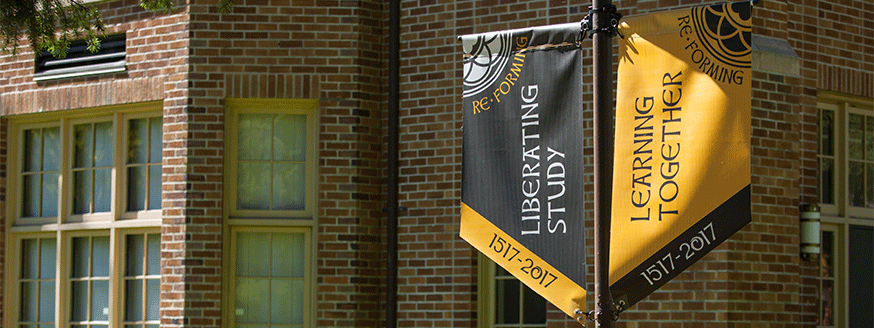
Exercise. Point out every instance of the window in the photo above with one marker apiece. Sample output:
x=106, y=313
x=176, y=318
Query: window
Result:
x=270, y=277
x=92, y=167
x=273, y=158
x=507, y=302
x=142, y=279
x=36, y=281
x=84, y=256
x=270, y=189
x=828, y=303
x=40, y=171
x=89, y=281
x=846, y=194
x=143, y=164
x=846, y=158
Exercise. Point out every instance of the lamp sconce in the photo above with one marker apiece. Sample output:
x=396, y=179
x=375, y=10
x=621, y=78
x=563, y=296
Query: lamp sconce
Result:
x=809, y=232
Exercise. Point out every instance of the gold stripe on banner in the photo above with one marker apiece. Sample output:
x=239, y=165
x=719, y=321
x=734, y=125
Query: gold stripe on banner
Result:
x=522, y=263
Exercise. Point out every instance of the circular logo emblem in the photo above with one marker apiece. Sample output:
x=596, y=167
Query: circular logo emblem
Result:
x=725, y=31
x=488, y=56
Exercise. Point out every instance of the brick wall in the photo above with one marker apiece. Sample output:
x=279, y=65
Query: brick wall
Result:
x=155, y=51
x=835, y=40
x=326, y=50
x=438, y=271
x=193, y=58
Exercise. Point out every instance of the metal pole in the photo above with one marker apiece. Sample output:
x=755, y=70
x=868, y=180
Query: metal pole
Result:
x=603, y=135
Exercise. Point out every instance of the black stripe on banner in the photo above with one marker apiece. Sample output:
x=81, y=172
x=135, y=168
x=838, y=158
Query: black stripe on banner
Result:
x=685, y=250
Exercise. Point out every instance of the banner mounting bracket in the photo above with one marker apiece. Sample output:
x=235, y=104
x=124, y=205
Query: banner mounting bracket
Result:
x=587, y=28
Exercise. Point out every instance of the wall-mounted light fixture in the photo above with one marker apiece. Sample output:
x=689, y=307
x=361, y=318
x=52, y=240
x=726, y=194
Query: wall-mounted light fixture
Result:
x=809, y=232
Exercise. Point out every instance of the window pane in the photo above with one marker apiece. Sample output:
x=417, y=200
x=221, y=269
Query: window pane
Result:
x=826, y=132
x=47, y=259
x=869, y=139
x=534, y=307
x=155, y=140
x=49, y=195
x=155, y=187
x=856, y=184
x=135, y=255
x=870, y=186
x=138, y=142
x=251, y=250
x=100, y=300
x=507, y=301
x=29, y=259
x=827, y=306
x=83, y=145
x=103, y=145
x=288, y=255
x=79, y=304
x=32, y=150
x=82, y=195
x=46, y=301
x=253, y=189
x=827, y=255
x=860, y=280
x=29, y=298
x=102, y=190
x=133, y=291
x=80, y=257
x=51, y=157
x=289, y=138
x=289, y=186
x=136, y=188
x=286, y=301
x=855, y=134
x=154, y=248
x=250, y=296
x=826, y=181
x=254, y=137
x=153, y=296
x=100, y=257
x=30, y=201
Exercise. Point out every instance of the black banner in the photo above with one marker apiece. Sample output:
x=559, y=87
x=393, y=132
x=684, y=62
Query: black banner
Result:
x=522, y=180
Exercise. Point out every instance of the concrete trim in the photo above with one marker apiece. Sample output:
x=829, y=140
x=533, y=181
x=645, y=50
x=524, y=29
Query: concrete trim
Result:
x=775, y=56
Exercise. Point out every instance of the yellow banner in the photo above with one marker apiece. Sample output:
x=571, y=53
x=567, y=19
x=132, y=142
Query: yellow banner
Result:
x=682, y=140
x=526, y=266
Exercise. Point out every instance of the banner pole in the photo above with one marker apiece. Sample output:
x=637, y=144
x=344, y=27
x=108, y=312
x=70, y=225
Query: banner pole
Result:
x=601, y=17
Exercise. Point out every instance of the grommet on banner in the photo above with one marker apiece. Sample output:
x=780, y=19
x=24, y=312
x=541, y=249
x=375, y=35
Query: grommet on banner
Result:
x=582, y=317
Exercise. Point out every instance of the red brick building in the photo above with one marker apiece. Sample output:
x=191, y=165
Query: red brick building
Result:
x=215, y=170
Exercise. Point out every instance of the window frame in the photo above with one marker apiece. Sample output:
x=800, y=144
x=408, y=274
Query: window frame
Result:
x=839, y=279
x=488, y=298
x=65, y=225
x=270, y=220
x=66, y=269
x=309, y=252
x=307, y=107
x=15, y=181
x=121, y=276
x=69, y=166
x=13, y=276
x=839, y=217
x=842, y=106
x=122, y=194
